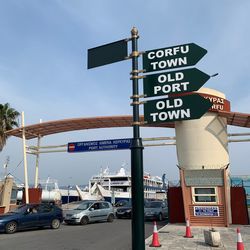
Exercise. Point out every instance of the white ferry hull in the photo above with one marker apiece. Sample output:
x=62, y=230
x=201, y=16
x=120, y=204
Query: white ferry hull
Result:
x=113, y=196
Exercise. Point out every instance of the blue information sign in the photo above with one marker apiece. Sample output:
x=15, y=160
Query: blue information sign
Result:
x=88, y=146
x=206, y=211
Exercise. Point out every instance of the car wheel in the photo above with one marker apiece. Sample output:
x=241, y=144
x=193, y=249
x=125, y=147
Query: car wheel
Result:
x=11, y=227
x=55, y=224
x=110, y=218
x=160, y=217
x=84, y=220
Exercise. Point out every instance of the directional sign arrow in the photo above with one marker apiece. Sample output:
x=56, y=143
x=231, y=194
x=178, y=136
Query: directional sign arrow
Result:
x=108, y=53
x=174, y=82
x=175, y=109
x=172, y=57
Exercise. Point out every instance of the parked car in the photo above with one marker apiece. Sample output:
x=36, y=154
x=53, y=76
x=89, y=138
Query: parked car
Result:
x=31, y=216
x=156, y=210
x=89, y=211
x=124, y=211
x=124, y=208
x=72, y=205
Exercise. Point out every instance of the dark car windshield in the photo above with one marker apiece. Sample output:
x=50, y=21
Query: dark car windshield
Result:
x=84, y=206
x=127, y=204
x=123, y=203
x=153, y=204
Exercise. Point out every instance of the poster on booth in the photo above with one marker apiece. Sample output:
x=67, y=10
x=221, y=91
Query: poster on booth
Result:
x=206, y=211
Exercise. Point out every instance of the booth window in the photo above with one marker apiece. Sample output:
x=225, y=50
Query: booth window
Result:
x=204, y=195
x=13, y=197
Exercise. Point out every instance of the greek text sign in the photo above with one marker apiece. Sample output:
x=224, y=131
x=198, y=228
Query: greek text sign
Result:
x=206, y=211
x=172, y=57
x=88, y=146
x=175, y=109
x=174, y=82
x=219, y=103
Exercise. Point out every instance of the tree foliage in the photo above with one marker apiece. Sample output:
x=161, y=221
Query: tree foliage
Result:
x=8, y=117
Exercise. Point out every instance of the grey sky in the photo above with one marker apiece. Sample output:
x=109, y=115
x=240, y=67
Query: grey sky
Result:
x=43, y=72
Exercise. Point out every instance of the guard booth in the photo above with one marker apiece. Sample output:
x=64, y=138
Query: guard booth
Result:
x=203, y=161
x=204, y=166
x=205, y=197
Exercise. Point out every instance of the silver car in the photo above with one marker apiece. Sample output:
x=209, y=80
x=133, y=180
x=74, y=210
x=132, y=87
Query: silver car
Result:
x=156, y=210
x=89, y=211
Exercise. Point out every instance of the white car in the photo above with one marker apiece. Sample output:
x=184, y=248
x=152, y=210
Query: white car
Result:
x=89, y=211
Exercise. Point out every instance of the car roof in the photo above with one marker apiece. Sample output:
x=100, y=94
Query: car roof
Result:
x=36, y=204
x=90, y=201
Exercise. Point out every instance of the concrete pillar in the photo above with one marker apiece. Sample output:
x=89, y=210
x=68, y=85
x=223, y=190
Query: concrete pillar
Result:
x=204, y=141
x=6, y=193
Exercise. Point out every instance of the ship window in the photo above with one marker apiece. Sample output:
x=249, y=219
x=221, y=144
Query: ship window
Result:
x=204, y=195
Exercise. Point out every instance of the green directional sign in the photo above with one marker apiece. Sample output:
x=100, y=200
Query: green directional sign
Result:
x=175, y=109
x=172, y=57
x=173, y=82
x=108, y=53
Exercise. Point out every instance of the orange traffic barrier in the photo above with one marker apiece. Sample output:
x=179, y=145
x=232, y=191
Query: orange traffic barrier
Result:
x=155, y=239
x=240, y=245
x=188, y=230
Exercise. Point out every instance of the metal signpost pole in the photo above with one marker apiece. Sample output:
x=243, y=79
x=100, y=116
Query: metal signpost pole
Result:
x=111, y=53
x=138, y=235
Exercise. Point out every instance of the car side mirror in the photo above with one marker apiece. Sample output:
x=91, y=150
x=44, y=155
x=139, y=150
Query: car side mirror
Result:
x=91, y=209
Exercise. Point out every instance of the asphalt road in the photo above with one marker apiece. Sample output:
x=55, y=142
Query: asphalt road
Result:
x=96, y=236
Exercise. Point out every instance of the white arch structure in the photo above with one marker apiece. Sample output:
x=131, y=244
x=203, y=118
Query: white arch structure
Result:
x=42, y=129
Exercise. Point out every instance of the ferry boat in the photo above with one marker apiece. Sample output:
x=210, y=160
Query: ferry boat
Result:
x=107, y=186
x=115, y=187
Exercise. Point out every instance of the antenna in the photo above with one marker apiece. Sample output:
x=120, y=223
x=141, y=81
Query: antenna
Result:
x=5, y=165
